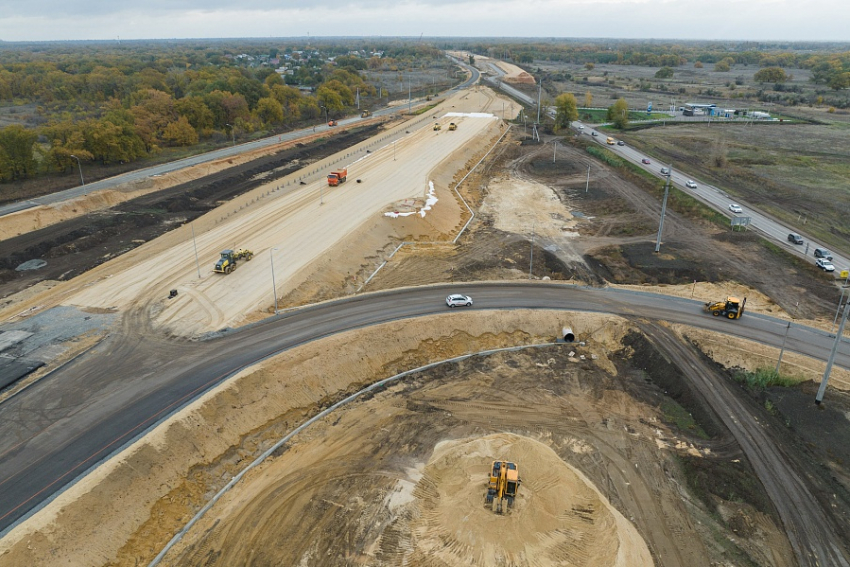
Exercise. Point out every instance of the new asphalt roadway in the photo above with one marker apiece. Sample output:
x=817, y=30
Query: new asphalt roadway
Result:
x=74, y=418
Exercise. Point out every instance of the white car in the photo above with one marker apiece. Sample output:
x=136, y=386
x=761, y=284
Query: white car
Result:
x=456, y=299
x=690, y=183
x=825, y=265
x=581, y=126
x=735, y=208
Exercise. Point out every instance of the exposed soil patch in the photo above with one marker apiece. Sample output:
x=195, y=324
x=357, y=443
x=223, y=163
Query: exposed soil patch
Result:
x=77, y=245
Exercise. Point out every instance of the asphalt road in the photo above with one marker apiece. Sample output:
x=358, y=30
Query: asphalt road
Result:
x=718, y=199
x=65, y=424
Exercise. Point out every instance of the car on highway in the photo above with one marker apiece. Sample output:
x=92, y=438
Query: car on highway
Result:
x=825, y=265
x=795, y=238
x=594, y=133
x=665, y=171
x=456, y=299
x=581, y=126
x=690, y=184
x=621, y=143
x=823, y=253
x=736, y=208
x=646, y=161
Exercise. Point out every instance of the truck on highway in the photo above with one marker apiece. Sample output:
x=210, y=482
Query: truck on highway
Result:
x=332, y=123
x=610, y=141
x=337, y=177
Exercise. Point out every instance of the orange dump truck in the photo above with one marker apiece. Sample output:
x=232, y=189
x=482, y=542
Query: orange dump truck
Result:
x=337, y=177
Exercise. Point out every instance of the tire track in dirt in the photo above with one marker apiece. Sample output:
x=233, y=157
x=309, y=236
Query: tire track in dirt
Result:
x=808, y=526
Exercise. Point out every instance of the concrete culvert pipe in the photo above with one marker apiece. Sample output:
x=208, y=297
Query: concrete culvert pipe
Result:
x=567, y=333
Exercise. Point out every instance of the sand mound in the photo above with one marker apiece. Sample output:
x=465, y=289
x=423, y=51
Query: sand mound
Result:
x=558, y=518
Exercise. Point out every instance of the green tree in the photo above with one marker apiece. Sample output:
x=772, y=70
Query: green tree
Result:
x=618, y=113
x=566, y=110
x=770, y=75
x=664, y=73
x=589, y=66
x=196, y=112
x=17, y=158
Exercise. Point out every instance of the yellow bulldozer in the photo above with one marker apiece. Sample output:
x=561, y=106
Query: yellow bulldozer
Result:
x=502, y=487
x=437, y=126
x=229, y=259
x=452, y=126
x=732, y=308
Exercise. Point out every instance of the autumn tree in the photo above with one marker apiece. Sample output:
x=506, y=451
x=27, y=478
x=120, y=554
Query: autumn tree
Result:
x=269, y=111
x=770, y=75
x=588, y=99
x=618, y=113
x=566, y=110
x=196, y=112
x=180, y=133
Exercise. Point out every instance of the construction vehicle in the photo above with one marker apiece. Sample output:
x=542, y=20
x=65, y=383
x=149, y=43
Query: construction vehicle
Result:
x=332, y=123
x=452, y=126
x=337, y=177
x=437, y=126
x=365, y=114
x=502, y=487
x=229, y=259
x=732, y=308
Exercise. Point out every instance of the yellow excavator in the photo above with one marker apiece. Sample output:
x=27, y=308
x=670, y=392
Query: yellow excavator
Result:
x=502, y=487
x=732, y=308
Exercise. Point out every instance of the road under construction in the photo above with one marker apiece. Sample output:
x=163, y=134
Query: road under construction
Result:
x=106, y=458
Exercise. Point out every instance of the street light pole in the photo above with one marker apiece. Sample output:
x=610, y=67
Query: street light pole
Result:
x=274, y=287
x=81, y=169
x=195, y=244
x=838, y=337
x=663, y=211
x=554, y=150
x=782, y=350
x=587, y=183
x=531, y=259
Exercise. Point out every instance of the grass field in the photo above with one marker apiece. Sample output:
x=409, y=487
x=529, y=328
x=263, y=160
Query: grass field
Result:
x=799, y=173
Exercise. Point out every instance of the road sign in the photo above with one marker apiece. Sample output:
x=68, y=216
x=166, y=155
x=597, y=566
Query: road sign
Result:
x=844, y=274
x=741, y=221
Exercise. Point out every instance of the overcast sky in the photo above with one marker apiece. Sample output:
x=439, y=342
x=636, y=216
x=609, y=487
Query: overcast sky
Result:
x=826, y=20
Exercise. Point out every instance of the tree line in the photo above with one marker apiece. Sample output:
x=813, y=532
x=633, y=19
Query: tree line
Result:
x=118, y=105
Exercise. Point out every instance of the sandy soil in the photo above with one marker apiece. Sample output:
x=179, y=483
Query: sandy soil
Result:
x=45, y=215
x=515, y=75
x=395, y=478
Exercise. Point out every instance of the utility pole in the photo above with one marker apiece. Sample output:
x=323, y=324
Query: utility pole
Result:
x=408, y=94
x=663, y=211
x=554, y=150
x=587, y=183
x=357, y=98
x=838, y=336
x=531, y=260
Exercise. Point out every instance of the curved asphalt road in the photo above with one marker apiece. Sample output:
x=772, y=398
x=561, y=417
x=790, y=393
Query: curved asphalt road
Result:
x=65, y=424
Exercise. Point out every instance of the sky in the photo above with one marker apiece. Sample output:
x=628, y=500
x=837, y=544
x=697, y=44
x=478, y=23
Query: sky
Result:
x=756, y=20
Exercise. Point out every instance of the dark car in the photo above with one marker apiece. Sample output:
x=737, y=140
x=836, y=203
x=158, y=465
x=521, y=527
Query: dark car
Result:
x=621, y=143
x=794, y=238
x=646, y=161
x=823, y=253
